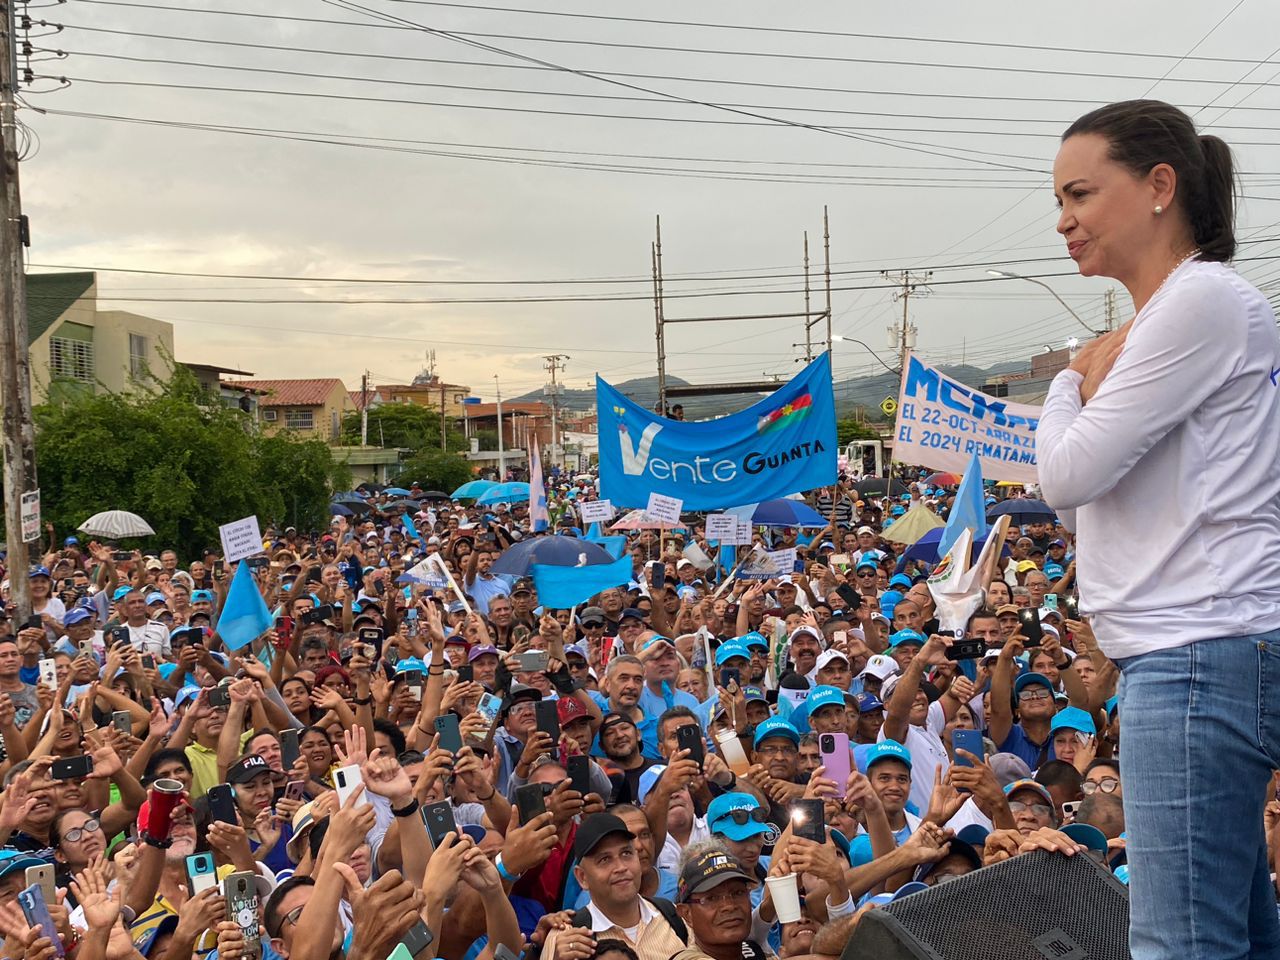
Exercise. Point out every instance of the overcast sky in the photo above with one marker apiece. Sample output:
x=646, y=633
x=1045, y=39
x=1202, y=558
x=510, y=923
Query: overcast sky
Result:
x=971, y=187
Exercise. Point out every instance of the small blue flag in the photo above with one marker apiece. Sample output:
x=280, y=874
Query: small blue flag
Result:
x=244, y=616
x=410, y=530
x=539, y=516
x=562, y=587
x=616, y=545
x=968, y=510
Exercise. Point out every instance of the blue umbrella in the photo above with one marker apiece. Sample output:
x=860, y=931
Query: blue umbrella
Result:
x=338, y=510
x=396, y=492
x=471, y=489
x=556, y=551
x=349, y=496
x=926, y=548
x=504, y=493
x=1022, y=511
x=780, y=513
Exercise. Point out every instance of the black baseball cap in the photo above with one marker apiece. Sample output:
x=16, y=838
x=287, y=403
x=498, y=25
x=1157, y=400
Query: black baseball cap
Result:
x=594, y=829
x=246, y=768
x=708, y=871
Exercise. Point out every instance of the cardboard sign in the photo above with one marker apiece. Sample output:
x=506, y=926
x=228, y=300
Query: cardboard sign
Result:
x=240, y=539
x=723, y=528
x=596, y=511
x=30, y=511
x=664, y=509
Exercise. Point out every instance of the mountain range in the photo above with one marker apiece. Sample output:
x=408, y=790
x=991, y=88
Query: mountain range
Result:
x=850, y=393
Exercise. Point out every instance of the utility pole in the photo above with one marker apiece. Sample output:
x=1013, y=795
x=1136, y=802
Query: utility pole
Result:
x=15, y=370
x=502, y=450
x=1110, y=300
x=364, y=409
x=555, y=362
x=903, y=339
x=443, y=443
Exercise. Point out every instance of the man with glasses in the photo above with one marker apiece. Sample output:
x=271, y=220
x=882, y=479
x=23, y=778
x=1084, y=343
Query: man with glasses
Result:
x=777, y=750
x=742, y=823
x=630, y=628
x=1030, y=737
x=1031, y=805
x=714, y=900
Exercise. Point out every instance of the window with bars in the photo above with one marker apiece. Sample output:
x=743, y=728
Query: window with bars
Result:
x=137, y=355
x=71, y=359
x=299, y=419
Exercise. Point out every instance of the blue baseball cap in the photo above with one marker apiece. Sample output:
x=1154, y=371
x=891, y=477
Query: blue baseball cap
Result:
x=906, y=636
x=888, y=750
x=730, y=649
x=189, y=692
x=156, y=597
x=776, y=727
x=11, y=860
x=868, y=563
x=202, y=596
x=648, y=780
x=1087, y=835
x=71, y=542
x=755, y=693
x=889, y=600
x=1053, y=571
x=720, y=820
x=900, y=580
x=40, y=571
x=1032, y=785
x=824, y=696
x=1112, y=705
x=1073, y=718
x=77, y=615
x=120, y=593
x=410, y=663
x=868, y=702
x=1027, y=679
x=897, y=511
x=752, y=639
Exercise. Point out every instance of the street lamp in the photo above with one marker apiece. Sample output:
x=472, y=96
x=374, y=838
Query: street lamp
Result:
x=836, y=336
x=1006, y=275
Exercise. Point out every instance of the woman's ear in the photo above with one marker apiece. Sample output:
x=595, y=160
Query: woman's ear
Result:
x=1164, y=184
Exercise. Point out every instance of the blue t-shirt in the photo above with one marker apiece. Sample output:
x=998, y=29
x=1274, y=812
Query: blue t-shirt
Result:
x=860, y=846
x=1019, y=744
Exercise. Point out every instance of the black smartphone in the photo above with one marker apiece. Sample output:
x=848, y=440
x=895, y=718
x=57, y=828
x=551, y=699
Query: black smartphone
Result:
x=119, y=636
x=657, y=574
x=289, y=749
x=33, y=622
x=449, y=736
x=466, y=673
x=689, y=737
x=579, y=769
x=966, y=650
x=1030, y=627
x=730, y=674
x=72, y=768
x=438, y=818
x=530, y=802
x=1073, y=608
x=808, y=820
x=219, y=696
x=319, y=615
x=257, y=563
x=313, y=576
x=548, y=715
x=148, y=662
x=222, y=803
x=416, y=939
x=120, y=556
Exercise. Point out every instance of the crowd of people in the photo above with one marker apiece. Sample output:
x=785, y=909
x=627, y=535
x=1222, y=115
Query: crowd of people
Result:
x=679, y=766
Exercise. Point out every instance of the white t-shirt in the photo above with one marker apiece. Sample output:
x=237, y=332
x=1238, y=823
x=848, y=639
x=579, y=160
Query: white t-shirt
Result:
x=1172, y=466
x=927, y=754
x=152, y=637
x=669, y=858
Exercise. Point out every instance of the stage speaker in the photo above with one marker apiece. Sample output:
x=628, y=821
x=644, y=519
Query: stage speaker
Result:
x=1037, y=906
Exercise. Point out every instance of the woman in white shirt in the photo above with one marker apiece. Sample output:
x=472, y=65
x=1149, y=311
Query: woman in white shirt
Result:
x=1164, y=436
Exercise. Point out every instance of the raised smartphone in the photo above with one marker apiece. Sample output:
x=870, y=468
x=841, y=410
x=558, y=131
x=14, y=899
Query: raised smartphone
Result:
x=834, y=748
x=201, y=872
x=970, y=740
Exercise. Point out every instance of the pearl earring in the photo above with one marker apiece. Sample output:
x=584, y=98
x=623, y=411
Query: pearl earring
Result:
x=1159, y=209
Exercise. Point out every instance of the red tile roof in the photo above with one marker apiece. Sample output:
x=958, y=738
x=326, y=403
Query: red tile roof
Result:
x=293, y=393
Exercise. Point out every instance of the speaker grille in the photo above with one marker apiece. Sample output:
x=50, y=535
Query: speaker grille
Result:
x=1038, y=906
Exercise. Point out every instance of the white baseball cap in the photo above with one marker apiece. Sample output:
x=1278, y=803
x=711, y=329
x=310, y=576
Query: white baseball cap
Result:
x=880, y=666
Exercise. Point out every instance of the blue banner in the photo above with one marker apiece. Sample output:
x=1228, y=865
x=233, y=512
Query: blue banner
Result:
x=785, y=443
x=244, y=615
x=562, y=587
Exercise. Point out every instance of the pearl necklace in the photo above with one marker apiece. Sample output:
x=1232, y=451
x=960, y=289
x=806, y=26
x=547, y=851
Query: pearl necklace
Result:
x=1194, y=252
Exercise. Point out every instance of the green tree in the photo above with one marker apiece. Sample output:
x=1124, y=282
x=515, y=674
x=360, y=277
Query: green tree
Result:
x=433, y=470
x=849, y=429
x=179, y=459
x=399, y=425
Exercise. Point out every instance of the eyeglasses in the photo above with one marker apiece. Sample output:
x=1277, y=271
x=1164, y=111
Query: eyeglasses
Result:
x=866, y=574
x=721, y=897
x=776, y=750
x=520, y=709
x=76, y=834
x=1039, y=809
x=743, y=817
x=1040, y=693
x=1106, y=785
x=292, y=917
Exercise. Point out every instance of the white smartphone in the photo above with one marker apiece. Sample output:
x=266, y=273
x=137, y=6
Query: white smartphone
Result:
x=840, y=638
x=1069, y=808
x=49, y=673
x=345, y=781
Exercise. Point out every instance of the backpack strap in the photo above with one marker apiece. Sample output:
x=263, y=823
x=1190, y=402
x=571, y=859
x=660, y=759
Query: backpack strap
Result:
x=668, y=911
x=582, y=918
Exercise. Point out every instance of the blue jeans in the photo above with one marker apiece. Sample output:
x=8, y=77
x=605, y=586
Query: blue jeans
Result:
x=1200, y=735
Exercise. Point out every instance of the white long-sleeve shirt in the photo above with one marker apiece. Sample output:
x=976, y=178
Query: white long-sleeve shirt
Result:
x=1175, y=468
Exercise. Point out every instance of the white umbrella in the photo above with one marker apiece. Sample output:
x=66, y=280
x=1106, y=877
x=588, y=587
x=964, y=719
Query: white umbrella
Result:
x=116, y=525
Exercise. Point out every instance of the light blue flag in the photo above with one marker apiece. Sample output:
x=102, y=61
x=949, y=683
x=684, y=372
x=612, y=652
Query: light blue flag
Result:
x=410, y=530
x=616, y=545
x=244, y=616
x=969, y=510
x=539, y=515
x=562, y=587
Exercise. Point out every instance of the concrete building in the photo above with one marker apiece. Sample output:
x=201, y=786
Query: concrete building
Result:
x=76, y=346
x=310, y=408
